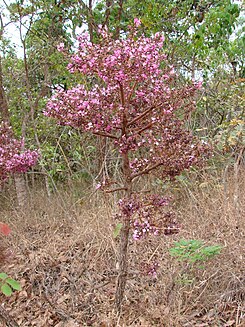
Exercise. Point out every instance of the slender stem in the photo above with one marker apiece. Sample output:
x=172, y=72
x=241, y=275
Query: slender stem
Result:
x=122, y=94
x=146, y=112
x=139, y=131
x=3, y=102
x=109, y=4
x=116, y=189
x=106, y=135
x=146, y=171
x=118, y=18
x=132, y=92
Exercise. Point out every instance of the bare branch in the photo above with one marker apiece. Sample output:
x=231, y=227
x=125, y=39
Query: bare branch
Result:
x=91, y=22
x=146, y=171
x=132, y=92
x=146, y=112
x=139, y=131
x=122, y=94
x=116, y=189
x=106, y=135
x=119, y=16
x=109, y=4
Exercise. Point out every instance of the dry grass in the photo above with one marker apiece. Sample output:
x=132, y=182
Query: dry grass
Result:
x=65, y=257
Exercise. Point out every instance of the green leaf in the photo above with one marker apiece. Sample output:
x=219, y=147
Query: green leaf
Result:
x=3, y=276
x=14, y=284
x=117, y=230
x=6, y=289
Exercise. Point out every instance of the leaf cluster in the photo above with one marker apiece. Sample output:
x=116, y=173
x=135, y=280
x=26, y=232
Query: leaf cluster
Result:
x=194, y=251
x=8, y=285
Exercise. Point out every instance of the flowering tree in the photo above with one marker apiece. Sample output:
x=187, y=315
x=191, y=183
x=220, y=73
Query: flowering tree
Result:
x=135, y=101
x=12, y=159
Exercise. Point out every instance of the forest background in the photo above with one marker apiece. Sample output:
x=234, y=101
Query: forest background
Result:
x=204, y=41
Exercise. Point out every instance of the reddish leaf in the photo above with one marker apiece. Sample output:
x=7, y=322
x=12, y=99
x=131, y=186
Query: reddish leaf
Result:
x=4, y=229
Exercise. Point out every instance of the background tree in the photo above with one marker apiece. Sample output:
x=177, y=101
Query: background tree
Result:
x=13, y=160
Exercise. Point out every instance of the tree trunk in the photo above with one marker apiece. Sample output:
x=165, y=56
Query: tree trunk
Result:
x=124, y=235
x=20, y=186
x=123, y=265
x=21, y=191
x=3, y=103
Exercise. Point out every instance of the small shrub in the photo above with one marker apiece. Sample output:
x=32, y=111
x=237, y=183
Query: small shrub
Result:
x=192, y=253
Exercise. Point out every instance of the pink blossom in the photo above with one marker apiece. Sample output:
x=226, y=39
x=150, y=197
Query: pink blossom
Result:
x=12, y=158
x=61, y=47
x=137, y=22
x=98, y=186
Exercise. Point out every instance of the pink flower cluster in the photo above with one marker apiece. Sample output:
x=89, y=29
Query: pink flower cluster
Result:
x=141, y=229
x=148, y=215
x=131, y=100
x=132, y=63
x=123, y=61
x=12, y=159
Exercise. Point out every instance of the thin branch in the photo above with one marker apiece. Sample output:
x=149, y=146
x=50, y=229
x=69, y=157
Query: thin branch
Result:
x=3, y=25
x=122, y=94
x=106, y=135
x=107, y=13
x=132, y=92
x=90, y=17
x=116, y=189
x=146, y=171
x=6, y=4
x=139, y=131
x=146, y=112
x=119, y=16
